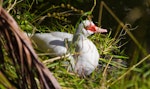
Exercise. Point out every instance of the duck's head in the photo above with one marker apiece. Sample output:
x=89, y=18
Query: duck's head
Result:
x=87, y=27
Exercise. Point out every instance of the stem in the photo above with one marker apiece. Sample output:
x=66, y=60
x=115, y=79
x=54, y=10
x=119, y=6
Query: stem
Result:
x=104, y=72
x=93, y=6
x=55, y=58
x=100, y=14
x=125, y=28
x=130, y=69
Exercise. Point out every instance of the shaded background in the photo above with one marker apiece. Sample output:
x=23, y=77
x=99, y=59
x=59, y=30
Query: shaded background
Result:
x=134, y=12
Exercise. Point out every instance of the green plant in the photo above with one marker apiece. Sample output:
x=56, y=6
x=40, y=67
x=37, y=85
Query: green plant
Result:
x=113, y=71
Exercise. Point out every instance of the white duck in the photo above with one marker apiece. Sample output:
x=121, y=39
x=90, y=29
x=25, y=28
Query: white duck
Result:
x=87, y=59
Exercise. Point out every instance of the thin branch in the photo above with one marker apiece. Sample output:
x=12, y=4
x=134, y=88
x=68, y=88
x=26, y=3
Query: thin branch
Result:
x=12, y=6
x=126, y=28
x=56, y=58
x=130, y=69
x=93, y=6
x=100, y=14
x=104, y=72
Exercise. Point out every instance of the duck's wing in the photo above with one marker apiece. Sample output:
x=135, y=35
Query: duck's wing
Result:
x=62, y=35
x=52, y=42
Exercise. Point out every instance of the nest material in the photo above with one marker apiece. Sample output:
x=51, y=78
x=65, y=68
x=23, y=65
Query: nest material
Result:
x=31, y=73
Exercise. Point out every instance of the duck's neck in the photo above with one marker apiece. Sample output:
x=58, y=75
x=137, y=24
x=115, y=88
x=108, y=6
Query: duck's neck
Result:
x=78, y=36
x=81, y=32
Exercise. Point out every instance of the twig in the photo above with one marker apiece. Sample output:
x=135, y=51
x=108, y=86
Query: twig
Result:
x=44, y=54
x=30, y=6
x=104, y=72
x=104, y=76
x=130, y=69
x=93, y=6
x=100, y=14
x=55, y=58
x=11, y=6
x=58, y=58
x=126, y=29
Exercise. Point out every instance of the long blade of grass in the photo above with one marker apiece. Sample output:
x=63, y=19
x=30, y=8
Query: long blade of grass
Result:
x=5, y=82
x=130, y=69
x=125, y=28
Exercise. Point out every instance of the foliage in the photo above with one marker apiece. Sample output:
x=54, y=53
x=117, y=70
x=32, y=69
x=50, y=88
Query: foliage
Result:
x=113, y=71
x=22, y=62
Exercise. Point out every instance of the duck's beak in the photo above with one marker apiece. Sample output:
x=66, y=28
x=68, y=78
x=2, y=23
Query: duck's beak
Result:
x=100, y=30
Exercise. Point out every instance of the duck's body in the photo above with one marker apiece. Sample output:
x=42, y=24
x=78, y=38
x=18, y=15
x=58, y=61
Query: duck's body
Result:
x=86, y=60
x=88, y=57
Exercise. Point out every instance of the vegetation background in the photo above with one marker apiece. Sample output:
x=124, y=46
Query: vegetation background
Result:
x=124, y=50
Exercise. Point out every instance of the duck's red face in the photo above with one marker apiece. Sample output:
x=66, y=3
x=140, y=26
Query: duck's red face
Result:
x=93, y=28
